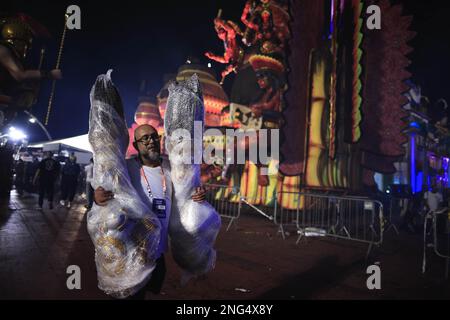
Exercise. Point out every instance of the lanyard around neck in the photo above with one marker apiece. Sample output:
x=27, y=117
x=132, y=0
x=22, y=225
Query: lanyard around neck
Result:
x=149, y=189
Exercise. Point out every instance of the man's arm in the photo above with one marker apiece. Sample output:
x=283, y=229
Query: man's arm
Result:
x=199, y=195
x=58, y=170
x=78, y=171
x=220, y=59
x=244, y=17
x=441, y=201
x=425, y=198
x=18, y=73
x=101, y=196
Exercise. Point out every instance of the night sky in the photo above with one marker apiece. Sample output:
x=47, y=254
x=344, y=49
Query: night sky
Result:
x=146, y=40
x=431, y=57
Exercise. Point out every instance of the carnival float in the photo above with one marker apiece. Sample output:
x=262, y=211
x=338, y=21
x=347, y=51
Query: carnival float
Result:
x=334, y=89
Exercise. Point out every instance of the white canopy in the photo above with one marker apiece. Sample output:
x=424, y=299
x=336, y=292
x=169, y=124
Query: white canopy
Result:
x=79, y=142
x=79, y=145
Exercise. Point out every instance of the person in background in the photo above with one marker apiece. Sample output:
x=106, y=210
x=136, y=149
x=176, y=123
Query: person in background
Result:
x=6, y=170
x=433, y=199
x=19, y=181
x=433, y=202
x=89, y=171
x=46, y=175
x=30, y=172
x=69, y=181
x=447, y=217
x=413, y=213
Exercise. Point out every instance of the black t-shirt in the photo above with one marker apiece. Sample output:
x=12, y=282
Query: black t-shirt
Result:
x=71, y=170
x=49, y=169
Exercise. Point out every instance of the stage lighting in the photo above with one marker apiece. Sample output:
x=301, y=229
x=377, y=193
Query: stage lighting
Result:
x=16, y=134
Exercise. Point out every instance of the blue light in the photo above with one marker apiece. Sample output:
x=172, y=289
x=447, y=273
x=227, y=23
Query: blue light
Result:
x=419, y=182
x=330, y=36
x=414, y=125
x=413, y=164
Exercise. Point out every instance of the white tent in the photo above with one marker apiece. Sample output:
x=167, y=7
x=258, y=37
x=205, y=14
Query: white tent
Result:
x=79, y=142
x=79, y=145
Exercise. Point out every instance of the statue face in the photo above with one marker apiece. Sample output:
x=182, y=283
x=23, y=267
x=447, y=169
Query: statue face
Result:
x=263, y=82
x=222, y=34
x=265, y=15
x=21, y=47
x=19, y=36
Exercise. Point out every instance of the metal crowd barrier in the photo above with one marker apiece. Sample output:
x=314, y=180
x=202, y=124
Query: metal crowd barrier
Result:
x=341, y=217
x=391, y=217
x=226, y=200
x=260, y=208
x=440, y=248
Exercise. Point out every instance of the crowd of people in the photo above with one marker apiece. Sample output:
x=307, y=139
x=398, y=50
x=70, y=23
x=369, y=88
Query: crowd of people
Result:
x=51, y=179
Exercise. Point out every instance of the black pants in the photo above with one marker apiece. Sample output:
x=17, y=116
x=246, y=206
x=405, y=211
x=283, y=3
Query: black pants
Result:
x=156, y=281
x=20, y=185
x=29, y=187
x=46, y=187
x=68, y=188
x=89, y=195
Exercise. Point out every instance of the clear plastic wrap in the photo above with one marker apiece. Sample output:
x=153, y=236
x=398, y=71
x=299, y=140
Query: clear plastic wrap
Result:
x=125, y=233
x=193, y=227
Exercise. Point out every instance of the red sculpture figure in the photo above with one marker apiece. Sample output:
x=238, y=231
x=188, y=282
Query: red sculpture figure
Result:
x=227, y=32
x=269, y=108
x=256, y=97
x=249, y=36
x=270, y=100
x=266, y=26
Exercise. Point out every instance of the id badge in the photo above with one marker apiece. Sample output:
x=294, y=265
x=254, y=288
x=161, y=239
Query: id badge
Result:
x=159, y=207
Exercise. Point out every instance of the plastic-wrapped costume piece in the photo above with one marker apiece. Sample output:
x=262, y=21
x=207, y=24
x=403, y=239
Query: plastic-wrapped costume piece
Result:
x=125, y=233
x=193, y=226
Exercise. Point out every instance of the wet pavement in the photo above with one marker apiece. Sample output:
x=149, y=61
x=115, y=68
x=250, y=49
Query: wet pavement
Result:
x=254, y=262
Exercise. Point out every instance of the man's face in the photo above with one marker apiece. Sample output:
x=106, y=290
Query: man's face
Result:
x=148, y=142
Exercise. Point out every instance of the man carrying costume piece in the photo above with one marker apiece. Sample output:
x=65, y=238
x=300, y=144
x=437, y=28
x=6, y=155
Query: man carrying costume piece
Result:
x=150, y=175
